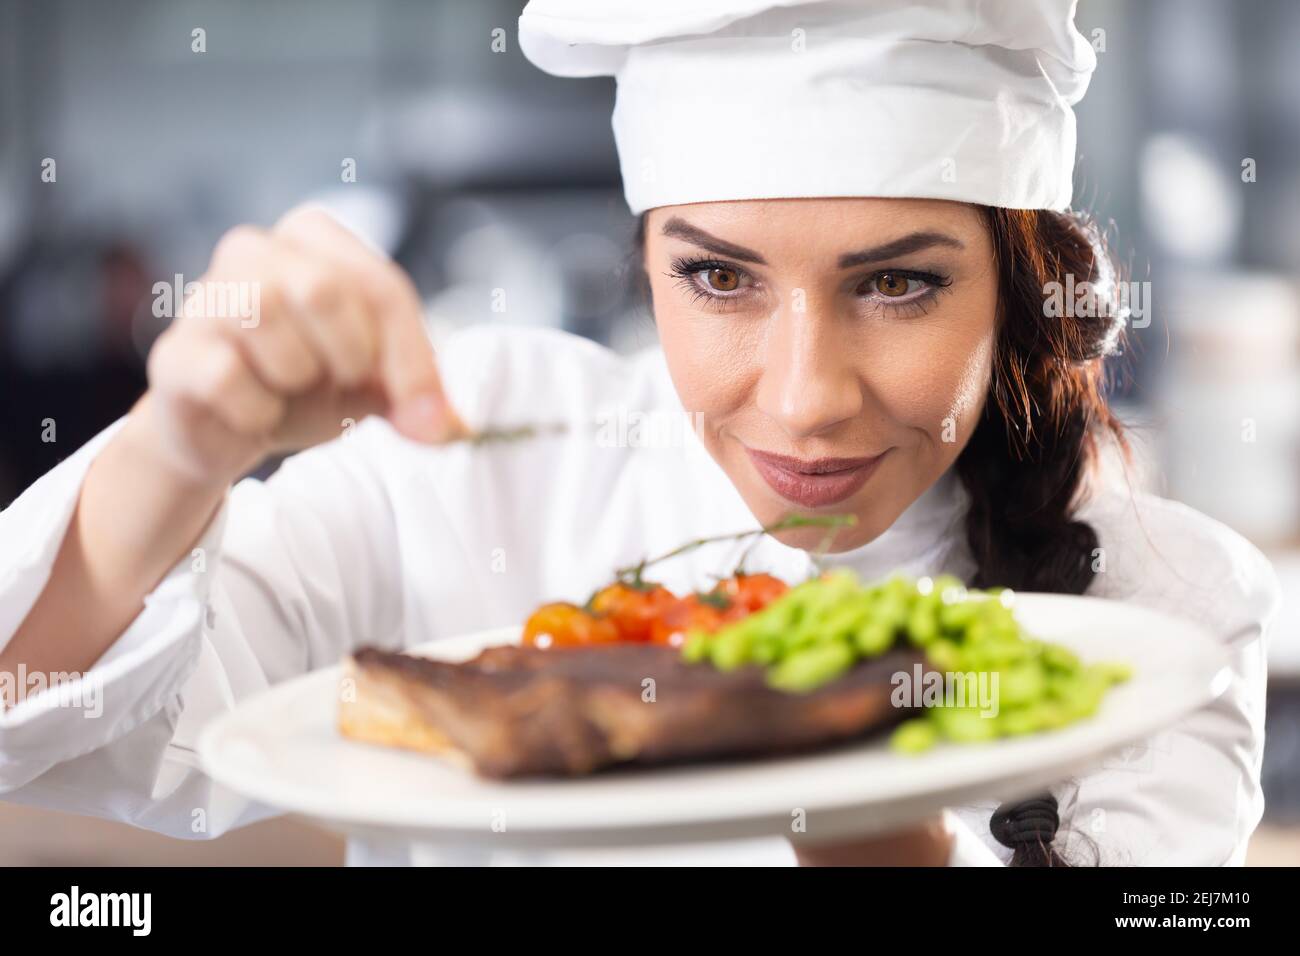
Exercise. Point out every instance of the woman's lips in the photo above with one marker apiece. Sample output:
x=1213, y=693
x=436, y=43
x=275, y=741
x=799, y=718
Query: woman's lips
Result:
x=815, y=482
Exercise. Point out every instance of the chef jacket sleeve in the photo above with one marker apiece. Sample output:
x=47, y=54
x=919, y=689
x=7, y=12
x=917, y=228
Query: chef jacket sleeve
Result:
x=967, y=848
x=289, y=574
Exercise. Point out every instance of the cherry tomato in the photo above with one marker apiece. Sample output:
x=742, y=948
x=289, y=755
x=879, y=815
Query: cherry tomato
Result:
x=567, y=625
x=633, y=609
x=693, y=612
x=753, y=592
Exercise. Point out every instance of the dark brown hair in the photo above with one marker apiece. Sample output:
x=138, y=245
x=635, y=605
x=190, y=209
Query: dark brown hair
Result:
x=1040, y=433
x=1046, y=413
x=1044, y=422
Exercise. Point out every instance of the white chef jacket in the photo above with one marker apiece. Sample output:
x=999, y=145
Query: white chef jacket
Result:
x=373, y=539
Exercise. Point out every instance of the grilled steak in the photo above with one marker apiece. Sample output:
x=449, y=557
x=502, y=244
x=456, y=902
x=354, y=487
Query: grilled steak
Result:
x=522, y=711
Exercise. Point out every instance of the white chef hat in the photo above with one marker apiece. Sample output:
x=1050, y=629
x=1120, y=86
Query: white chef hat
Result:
x=761, y=99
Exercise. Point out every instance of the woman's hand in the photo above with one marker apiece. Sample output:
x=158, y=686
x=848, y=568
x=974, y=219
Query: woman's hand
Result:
x=295, y=331
x=927, y=844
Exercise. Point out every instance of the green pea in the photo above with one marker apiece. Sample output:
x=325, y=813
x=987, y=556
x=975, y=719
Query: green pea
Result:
x=944, y=655
x=922, y=628
x=1019, y=721
x=1060, y=686
x=915, y=735
x=891, y=610
x=944, y=583
x=900, y=588
x=1049, y=714
x=696, y=647
x=1116, y=673
x=824, y=592
x=1079, y=702
x=765, y=652
x=932, y=599
x=978, y=631
x=1080, y=695
x=959, y=615
x=1006, y=630
x=1059, y=658
x=811, y=667
x=873, y=638
x=997, y=654
x=731, y=648
x=797, y=638
x=844, y=620
x=1020, y=684
x=819, y=628
x=999, y=621
x=964, y=724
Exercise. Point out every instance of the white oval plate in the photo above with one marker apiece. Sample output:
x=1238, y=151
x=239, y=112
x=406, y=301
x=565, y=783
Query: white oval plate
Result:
x=281, y=748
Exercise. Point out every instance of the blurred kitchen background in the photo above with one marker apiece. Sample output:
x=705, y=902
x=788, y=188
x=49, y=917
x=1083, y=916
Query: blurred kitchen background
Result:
x=477, y=172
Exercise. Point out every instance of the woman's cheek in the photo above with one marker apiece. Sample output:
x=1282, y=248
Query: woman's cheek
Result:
x=937, y=391
x=710, y=360
x=969, y=394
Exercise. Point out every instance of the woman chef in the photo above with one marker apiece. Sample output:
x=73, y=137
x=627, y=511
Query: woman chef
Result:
x=851, y=215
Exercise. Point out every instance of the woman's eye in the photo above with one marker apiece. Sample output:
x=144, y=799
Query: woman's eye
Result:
x=903, y=291
x=893, y=286
x=722, y=280
x=711, y=281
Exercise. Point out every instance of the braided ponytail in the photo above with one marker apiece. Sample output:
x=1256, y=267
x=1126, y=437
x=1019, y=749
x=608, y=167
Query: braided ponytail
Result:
x=1029, y=458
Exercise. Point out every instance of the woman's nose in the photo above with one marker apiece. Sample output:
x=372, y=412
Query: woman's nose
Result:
x=808, y=383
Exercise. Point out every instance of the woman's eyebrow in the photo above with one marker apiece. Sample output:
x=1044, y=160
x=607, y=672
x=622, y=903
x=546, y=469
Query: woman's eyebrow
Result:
x=901, y=246
x=679, y=227
x=914, y=242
